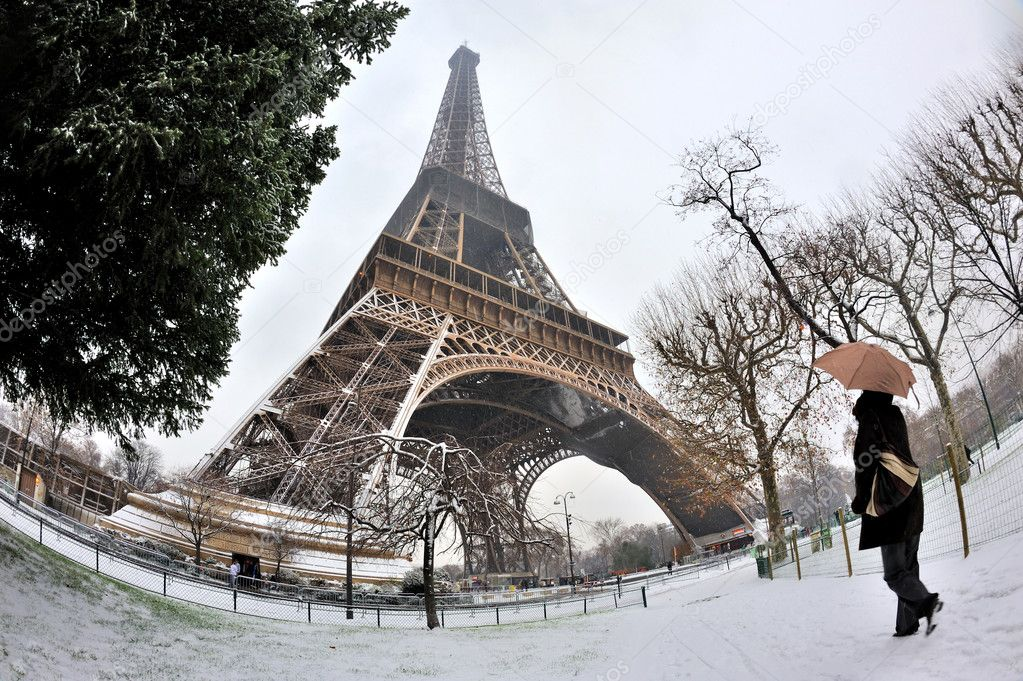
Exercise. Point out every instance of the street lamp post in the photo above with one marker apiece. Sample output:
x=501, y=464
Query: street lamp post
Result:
x=562, y=500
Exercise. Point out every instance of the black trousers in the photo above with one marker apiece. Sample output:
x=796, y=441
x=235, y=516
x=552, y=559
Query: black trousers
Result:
x=902, y=574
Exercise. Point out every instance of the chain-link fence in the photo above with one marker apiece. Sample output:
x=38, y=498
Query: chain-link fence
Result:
x=209, y=586
x=991, y=489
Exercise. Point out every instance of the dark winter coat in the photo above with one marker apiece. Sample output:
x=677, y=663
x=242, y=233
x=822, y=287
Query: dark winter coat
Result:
x=882, y=427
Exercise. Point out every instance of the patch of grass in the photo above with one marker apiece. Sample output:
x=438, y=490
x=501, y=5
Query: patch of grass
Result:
x=35, y=562
x=169, y=610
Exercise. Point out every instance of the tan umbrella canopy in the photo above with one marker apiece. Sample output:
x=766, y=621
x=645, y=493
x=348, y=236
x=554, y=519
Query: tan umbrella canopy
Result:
x=865, y=366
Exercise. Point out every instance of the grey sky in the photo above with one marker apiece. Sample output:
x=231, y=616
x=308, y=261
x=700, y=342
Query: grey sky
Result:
x=586, y=104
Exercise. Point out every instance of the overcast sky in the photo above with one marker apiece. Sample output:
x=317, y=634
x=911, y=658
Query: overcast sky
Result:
x=587, y=104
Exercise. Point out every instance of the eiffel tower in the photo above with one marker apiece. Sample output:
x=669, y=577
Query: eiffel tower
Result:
x=454, y=325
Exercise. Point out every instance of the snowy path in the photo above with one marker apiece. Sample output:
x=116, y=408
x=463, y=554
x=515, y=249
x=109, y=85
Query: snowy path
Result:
x=59, y=621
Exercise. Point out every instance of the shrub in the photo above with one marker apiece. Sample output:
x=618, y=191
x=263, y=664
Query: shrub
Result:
x=412, y=582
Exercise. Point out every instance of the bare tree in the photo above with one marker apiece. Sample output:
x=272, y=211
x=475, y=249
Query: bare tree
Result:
x=734, y=369
x=609, y=533
x=810, y=477
x=968, y=156
x=198, y=511
x=87, y=450
x=452, y=571
x=889, y=237
x=423, y=488
x=905, y=284
x=28, y=414
x=344, y=517
x=552, y=552
x=722, y=175
x=142, y=466
x=281, y=541
x=52, y=431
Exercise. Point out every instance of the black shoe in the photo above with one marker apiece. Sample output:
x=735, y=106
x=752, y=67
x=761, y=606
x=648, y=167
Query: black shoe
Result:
x=900, y=634
x=932, y=606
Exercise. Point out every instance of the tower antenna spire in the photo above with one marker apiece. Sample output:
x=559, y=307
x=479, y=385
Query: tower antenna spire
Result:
x=460, y=142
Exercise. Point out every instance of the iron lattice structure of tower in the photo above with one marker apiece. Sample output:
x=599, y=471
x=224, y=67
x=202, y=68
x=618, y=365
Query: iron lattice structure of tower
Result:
x=454, y=325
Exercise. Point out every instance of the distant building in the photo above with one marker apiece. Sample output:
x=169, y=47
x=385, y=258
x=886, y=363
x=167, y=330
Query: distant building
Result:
x=730, y=540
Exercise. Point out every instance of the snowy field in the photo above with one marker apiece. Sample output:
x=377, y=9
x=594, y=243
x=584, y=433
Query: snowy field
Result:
x=61, y=621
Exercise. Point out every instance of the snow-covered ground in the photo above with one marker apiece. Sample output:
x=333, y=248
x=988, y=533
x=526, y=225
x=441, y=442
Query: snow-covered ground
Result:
x=61, y=621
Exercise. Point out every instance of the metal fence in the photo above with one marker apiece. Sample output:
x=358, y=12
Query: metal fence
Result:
x=155, y=572
x=991, y=493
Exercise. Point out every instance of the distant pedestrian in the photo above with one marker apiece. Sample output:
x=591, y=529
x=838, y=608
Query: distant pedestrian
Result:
x=893, y=512
x=233, y=577
x=968, y=453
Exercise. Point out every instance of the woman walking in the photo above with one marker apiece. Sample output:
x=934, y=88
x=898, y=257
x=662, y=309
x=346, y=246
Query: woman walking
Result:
x=892, y=520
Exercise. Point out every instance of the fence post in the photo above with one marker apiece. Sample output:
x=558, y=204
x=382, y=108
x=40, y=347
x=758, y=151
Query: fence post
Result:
x=235, y=592
x=378, y=617
x=97, y=558
x=309, y=611
x=497, y=611
x=727, y=564
x=795, y=553
x=584, y=605
x=845, y=540
x=643, y=591
x=40, y=530
x=959, y=499
x=545, y=609
x=442, y=618
x=615, y=597
x=164, y=582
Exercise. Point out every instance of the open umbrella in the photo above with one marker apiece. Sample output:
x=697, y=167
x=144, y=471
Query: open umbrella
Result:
x=865, y=366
